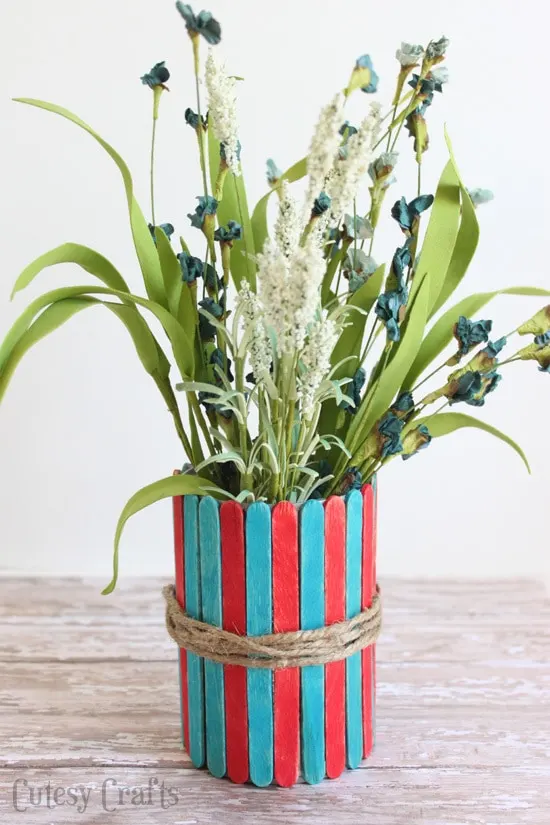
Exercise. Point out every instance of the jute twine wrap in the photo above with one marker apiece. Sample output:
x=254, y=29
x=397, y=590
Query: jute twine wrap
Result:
x=274, y=650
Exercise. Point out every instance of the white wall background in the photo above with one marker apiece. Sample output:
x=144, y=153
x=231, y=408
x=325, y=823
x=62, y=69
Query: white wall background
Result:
x=82, y=428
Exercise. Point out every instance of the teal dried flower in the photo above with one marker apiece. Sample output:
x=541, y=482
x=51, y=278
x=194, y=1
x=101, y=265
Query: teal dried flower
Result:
x=389, y=430
x=320, y=205
x=207, y=331
x=365, y=62
x=351, y=480
x=480, y=196
x=201, y=23
x=389, y=305
x=227, y=234
x=406, y=213
x=380, y=170
x=219, y=359
x=401, y=261
x=193, y=120
x=409, y=55
x=440, y=76
x=207, y=206
x=403, y=405
x=543, y=339
x=273, y=172
x=493, y=348
x=471, y=333
x=357, y=227
x=415, y=440
x=191, y=267
x=157, y=76
x=347, y=130
x=436, y=49
x=213, y=282
x=472, y=387
x=167, y=228
x=358, y=267
x=387, y=308
x=425, y=91
x=354, y=391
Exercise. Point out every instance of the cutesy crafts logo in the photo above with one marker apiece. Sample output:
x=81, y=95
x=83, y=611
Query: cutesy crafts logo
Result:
x=109, y=796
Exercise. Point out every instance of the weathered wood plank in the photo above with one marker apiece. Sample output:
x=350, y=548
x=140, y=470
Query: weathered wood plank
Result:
x=125, y=713
x=389, y=796
x=511, y=635
x=81, y=597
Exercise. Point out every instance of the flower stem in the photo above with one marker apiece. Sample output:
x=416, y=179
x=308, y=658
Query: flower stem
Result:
x=157, y=91
x=200, y=131
x=427, y=378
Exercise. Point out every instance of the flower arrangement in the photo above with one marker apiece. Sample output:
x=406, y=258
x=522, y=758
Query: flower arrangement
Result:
x=301, y=365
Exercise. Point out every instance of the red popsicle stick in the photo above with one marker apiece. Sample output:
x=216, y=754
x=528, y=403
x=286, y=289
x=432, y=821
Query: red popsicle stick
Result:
x=335, y=611
x=179, y=551
x=234, y=619
x=367, y=592
x=286, y=617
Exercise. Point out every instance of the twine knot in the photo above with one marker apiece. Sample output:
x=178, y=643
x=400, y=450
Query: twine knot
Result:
x=273, y=651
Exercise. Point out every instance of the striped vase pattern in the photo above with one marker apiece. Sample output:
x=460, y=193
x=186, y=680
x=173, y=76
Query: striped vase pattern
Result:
x=260, y=569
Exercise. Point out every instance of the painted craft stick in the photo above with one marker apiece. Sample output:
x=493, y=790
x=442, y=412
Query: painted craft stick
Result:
x=335, y=611
x=354, y=709
x=312, y=615
x=259, y=621
x=177, y=508
x=211, y=579
x=286, y=617
x=367, y=592
x=234, y=620
x=195, y=665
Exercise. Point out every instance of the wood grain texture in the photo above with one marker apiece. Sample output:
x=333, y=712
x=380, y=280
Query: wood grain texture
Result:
x=335, y=611
x=179, y=573
x=312, y=616
x=193, y=599
x=286, y=617
x=259, y=609
x=234, y=619
x=478, y=752
x=368, y=586
x=354, y=694
x=211, y=589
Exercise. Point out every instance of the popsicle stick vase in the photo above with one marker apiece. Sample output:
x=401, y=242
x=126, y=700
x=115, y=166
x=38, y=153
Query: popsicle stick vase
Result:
x=255, y=570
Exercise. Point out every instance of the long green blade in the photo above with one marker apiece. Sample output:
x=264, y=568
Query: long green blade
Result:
x=449, y=422
x=179, y=485
x=145, y=247
x=73, y=253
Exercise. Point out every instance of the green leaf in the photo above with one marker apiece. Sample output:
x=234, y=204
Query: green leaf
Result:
x=73, y=253
x=259, y=216
x=179, y=485
x=181, y=346
x=445, y=423
x=466, y=241
x=145, y=247
x=377, y=401
x=348, y=345
x=50, y=320
x=234, y=207
x=148, y=349
x=351, y=338
x=441, y=334
x=439, y=241
x=171, y=271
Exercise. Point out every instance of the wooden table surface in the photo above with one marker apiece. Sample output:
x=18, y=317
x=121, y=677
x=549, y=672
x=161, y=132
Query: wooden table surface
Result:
x=89, y=713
